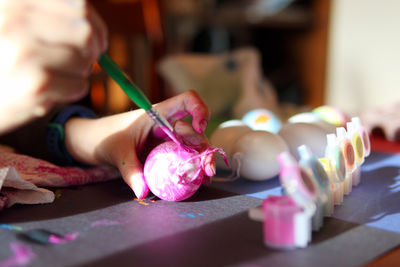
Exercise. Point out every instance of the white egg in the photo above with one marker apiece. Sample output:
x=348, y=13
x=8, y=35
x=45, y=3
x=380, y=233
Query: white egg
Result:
x=312, y=118
x=257, y=153
x=225, y=137
x=309, y=134
x=262, y=119
x=307, y=117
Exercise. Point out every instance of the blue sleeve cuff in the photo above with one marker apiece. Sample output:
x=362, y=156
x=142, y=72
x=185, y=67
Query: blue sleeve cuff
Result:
x=56, y=135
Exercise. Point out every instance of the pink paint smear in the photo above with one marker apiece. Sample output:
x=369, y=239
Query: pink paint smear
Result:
x=106, y=222
x=53, y=239
x=22, y=255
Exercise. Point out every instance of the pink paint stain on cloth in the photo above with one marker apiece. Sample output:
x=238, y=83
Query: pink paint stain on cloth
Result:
x=54, y=239
x=22, y=175
x=22, y=255
x=44, y=173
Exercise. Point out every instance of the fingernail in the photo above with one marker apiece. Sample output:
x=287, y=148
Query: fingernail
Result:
x=140, y=193
x=140, y=188
x=203, y=125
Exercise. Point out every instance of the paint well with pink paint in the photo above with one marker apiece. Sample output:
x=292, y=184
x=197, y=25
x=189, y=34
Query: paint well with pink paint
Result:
x=303, y=192
x=280, y=221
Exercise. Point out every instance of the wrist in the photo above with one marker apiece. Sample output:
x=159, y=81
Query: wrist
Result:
x=56, y=134
x=83, y=140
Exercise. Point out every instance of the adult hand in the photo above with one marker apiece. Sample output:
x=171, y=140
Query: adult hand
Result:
x=123, y=140
x=47, y=48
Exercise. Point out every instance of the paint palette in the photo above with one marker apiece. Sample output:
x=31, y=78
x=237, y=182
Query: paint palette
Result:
x=312, y=187
x=290, y=215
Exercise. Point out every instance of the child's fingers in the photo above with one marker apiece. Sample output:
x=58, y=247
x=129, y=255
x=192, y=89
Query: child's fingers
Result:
x=181, y=105
x=189, y=136
x=132, y=172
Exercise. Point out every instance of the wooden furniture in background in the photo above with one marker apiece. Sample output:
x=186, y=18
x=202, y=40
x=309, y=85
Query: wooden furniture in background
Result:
x=310, y=50
x=292, y=42
x=135, y=44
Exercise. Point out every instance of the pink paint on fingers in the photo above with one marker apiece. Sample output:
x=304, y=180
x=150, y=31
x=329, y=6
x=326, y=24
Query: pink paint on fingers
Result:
x=139, y=186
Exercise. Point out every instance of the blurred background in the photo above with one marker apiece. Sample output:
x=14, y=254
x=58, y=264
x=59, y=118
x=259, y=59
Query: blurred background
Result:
x=283, y=55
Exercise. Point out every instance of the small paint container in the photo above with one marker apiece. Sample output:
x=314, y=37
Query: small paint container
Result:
x=335, y=167
x=334, y=188
x=348, y=183
x=338, y=195
x=311, y=166
x=286, y=225
x=364, y=135
x=303, y=190
x=349, y=157
x=357, y=143
x=356, y=176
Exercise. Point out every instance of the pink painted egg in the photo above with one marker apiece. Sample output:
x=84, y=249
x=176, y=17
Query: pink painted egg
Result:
x=173, y=173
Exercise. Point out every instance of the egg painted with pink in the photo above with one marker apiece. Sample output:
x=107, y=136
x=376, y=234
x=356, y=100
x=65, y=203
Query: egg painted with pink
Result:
x=175, y=173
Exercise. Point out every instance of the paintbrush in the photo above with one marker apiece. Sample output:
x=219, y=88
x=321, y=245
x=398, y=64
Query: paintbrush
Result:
x=134, y=93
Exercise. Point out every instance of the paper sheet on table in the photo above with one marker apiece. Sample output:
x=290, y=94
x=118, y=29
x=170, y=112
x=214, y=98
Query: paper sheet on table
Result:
x=21, y=177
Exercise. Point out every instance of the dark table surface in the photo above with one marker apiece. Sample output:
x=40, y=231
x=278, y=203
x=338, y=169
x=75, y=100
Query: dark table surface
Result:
x=212, y=228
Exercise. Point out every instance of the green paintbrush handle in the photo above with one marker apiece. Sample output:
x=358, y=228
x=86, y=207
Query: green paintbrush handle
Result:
x=134, y=93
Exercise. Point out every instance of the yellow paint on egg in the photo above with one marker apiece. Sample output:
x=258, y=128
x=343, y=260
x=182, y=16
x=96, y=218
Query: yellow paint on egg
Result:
x=262, y=118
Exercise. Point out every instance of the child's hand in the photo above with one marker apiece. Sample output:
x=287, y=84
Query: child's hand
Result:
x=47, y=48
x=124, y=140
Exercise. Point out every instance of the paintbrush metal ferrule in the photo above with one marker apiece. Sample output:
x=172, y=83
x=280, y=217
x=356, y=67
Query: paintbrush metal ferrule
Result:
x=159, y=119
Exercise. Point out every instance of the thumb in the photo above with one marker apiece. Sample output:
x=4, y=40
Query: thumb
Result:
x=132, y=172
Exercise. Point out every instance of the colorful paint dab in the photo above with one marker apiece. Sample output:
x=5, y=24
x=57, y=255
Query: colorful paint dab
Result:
x=22, y=255
x=11, y=227
x=106, y=222
x=57, y=193
x=56, y=239
x=46, y=237
x=190, y=215
x=145, y=201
